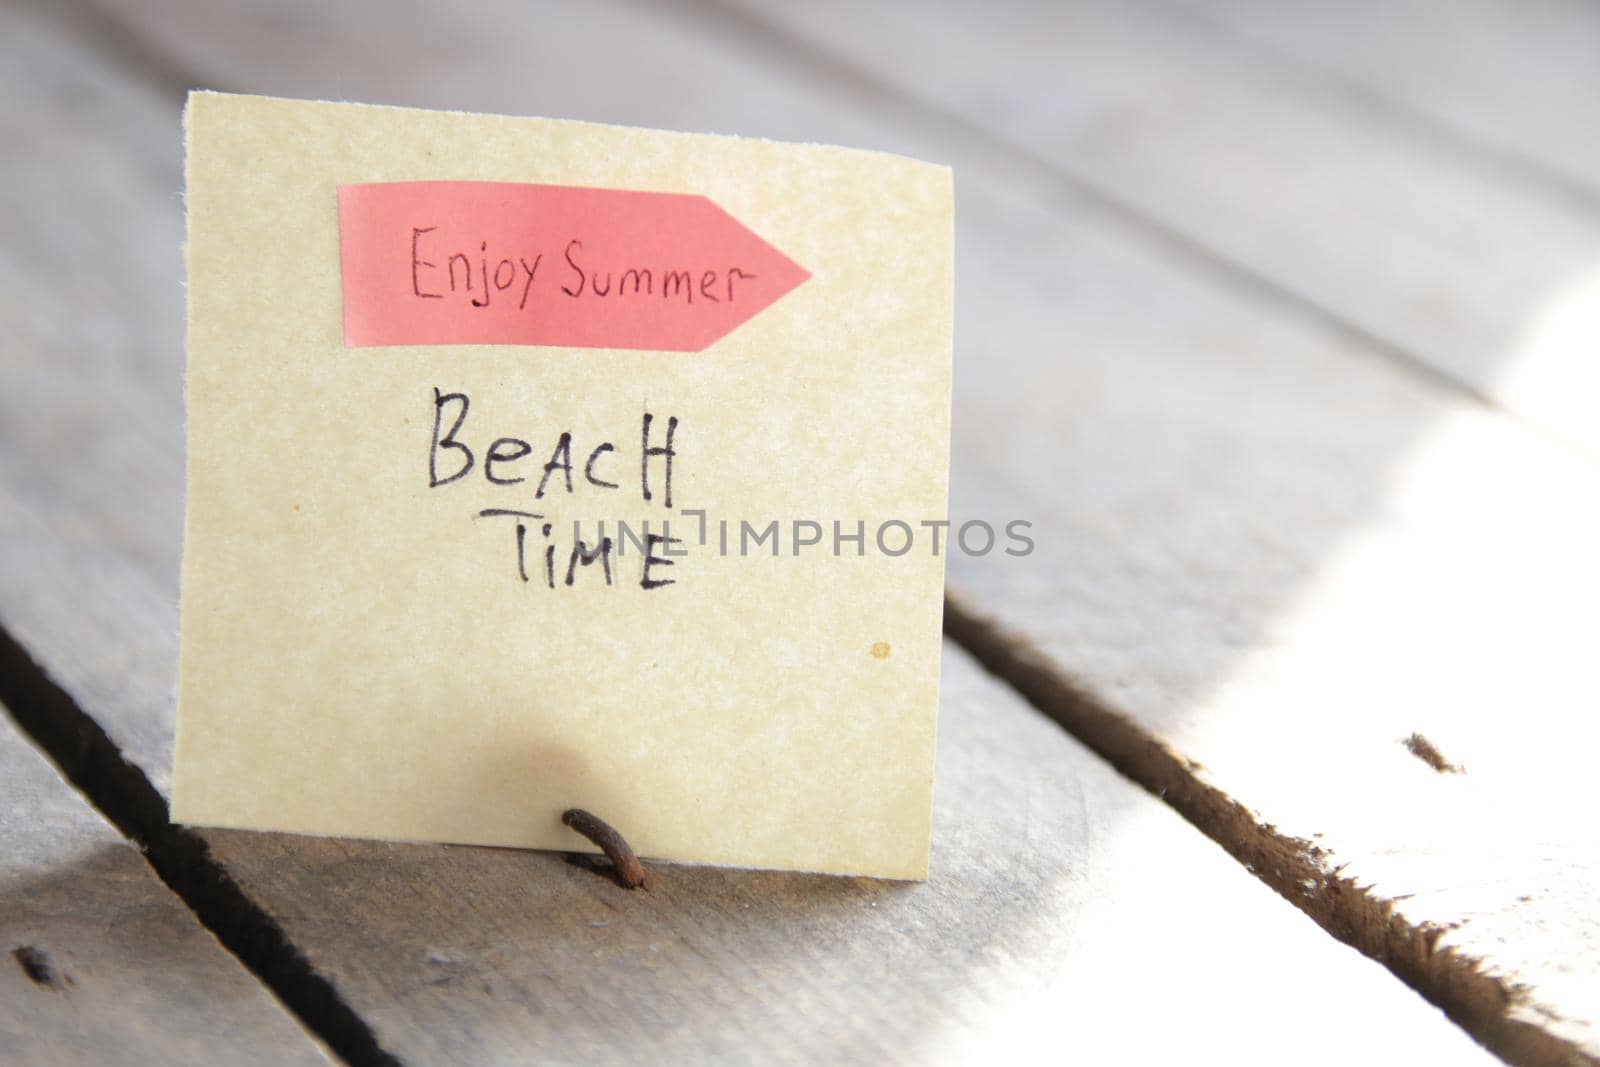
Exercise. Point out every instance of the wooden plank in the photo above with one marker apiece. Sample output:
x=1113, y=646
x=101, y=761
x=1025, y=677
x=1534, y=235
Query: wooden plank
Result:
x=1472, y=273
x=1056, y=884
x=1517, y=83
x=1262, y=566
x=1265, y=559
x=103, y=964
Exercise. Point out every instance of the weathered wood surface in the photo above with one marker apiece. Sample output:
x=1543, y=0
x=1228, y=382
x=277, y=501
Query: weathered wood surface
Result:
x=1516, y=84
x=1474, y=271
x=1065, y=905
x=1266, y=556
x=102, y=963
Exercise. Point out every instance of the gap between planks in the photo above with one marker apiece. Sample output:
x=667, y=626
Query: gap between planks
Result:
x=1292, y=867
x=1295, y=868
x=122, y=43
x=90, y=760
x=1207, y=255
x=99, y=961
x=780, y=46
x=1461, y=985
x=1285, y=863
x=101, y=30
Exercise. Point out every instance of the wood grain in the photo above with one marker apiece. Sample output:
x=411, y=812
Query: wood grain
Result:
x=1065, y=905
x=1266, y=557
x=1515, y=85
x=1473, y=273
x=100, y=962
x=1264, y=564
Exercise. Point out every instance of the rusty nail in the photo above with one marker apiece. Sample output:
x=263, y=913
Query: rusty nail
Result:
x=630, y=872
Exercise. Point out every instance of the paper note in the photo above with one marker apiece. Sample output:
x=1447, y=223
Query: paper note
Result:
x=621, y=269
x=537, y=464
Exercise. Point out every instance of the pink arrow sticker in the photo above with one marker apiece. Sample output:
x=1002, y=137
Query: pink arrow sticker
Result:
x=503, y=263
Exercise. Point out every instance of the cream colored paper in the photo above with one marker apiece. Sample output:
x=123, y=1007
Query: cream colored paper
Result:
x=358, y=653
